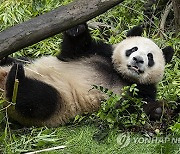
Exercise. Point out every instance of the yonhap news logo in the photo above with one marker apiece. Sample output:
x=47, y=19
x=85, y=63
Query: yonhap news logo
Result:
x=124, y=139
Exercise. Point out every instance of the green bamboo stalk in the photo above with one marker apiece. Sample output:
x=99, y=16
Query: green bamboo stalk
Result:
x=15, y=90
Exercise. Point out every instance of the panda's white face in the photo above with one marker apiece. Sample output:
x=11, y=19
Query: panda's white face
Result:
x=139, y=59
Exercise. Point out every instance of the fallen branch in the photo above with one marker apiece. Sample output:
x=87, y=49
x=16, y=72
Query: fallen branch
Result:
x=51, y=23
x=176, y=8
x=164, y=17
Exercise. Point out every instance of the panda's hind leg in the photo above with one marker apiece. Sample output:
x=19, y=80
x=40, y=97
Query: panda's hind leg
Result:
x=35, y=99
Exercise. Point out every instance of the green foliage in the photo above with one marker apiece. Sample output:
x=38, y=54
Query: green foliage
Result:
x=49, y=46
x=123, y=110
x=169, y=87
x=18, y=11
x=175, y=128
x=114, y=110
x=121, y=18
x=26, y=139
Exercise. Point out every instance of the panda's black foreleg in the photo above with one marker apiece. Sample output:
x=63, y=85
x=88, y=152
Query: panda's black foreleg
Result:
x=152, y=107
x=76, y=43
x=35, y=99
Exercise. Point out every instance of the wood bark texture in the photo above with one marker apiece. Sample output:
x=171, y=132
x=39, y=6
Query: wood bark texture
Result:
x=176, y=8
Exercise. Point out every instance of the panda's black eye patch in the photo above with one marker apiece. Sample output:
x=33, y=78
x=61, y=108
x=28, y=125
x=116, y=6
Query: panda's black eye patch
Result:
x=150, y=59
x=130, y=51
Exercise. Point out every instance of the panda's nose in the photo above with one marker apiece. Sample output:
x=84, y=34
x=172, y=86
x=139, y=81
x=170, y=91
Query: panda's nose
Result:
x=138, y=59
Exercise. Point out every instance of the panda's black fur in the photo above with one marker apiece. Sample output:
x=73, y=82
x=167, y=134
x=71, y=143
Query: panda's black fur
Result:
x=77, y=43
x=46, y=99
x=31, y=106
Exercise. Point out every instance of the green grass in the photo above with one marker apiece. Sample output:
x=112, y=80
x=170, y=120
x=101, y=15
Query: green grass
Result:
x=78, y=138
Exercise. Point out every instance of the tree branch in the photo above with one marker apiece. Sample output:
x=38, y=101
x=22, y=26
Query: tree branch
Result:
x=51, y=23
x=176, y=8
x=164, y=17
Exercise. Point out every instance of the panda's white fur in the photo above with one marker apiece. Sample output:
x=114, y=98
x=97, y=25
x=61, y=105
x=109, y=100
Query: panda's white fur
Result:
x=151, y=74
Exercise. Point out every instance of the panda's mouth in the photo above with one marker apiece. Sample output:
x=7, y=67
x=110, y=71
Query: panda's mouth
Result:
x=135, y=68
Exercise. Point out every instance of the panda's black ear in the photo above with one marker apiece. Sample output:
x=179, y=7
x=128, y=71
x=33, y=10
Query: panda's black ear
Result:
x=135, y=31
x=168, y=53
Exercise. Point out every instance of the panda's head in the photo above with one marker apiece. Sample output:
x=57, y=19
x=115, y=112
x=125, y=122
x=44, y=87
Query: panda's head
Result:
x=139, y=59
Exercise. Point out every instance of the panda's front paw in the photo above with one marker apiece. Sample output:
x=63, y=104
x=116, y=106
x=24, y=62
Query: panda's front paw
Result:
x=157, y=113
x=77, y=30
x=154, y=110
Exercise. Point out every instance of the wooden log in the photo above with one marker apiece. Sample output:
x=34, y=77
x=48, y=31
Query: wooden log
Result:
x=51, y=23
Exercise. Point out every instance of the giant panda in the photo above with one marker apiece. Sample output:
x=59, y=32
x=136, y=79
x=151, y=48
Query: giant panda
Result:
x=52, y=90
